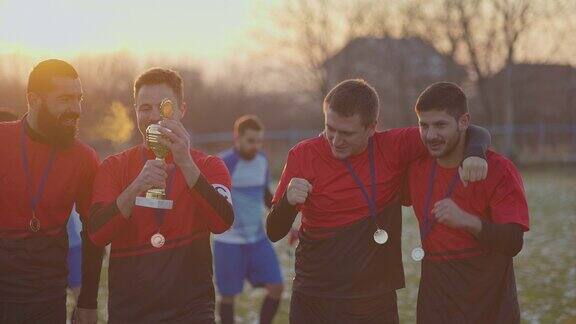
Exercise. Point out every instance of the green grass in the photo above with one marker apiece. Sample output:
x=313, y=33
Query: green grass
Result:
x=545, y=269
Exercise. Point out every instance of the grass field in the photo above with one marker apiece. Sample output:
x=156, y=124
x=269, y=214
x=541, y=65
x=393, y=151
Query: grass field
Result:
x=545, y=269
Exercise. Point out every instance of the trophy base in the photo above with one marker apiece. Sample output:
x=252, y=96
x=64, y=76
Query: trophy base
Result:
x=159, y=194
x=154, y=203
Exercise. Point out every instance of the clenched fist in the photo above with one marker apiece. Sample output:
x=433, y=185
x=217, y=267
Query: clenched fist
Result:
x=447, y=212
x=473, y=169
x=297, y=191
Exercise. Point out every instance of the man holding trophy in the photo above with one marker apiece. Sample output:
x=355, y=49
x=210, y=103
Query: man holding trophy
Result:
x=157, y=204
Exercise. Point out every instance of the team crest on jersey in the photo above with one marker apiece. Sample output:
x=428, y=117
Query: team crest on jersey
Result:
x=223, y=191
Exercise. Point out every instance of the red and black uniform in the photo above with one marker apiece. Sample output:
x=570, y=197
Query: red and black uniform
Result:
x=342, y=274
x=172, y=283
x=466, y=279
x=33, y=266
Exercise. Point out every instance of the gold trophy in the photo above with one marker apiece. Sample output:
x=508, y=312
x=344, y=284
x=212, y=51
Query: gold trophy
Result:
x=156, y=197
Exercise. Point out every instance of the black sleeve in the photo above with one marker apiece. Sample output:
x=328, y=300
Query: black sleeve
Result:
x=217, y=210
x=280, y=219
x=504, y=238
x=105, y=223
x=478, y=141
x=268, y=197
x=91, y=267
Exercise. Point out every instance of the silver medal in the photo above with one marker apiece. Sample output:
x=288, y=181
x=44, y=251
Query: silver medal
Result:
x=418, y=254
x=157, y=240
x=380, y=236
x=34, y=224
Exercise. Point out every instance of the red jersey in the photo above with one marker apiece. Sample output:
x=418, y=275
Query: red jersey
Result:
x=500, y=199
x=184, y=222
x=33, y=264
x=171, y=283
x=462, y=280
x=335, y=199
x=337, y=226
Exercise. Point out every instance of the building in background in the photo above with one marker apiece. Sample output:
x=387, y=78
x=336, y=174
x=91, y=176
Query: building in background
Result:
x=399, y=68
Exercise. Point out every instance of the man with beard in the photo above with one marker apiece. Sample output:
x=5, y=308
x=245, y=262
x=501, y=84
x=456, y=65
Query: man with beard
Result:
x=160, y=259
x=244, y=252
x=469, y=234
x=44, y=171
x=347, y=183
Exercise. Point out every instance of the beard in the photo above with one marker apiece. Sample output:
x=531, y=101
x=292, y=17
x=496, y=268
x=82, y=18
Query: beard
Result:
x=247, y=154
x=59, y=130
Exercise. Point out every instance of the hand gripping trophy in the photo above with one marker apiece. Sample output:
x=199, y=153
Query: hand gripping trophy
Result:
x=156, y=197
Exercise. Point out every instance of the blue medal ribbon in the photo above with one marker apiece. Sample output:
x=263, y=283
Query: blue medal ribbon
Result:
x=370, y=200
x=34, y=200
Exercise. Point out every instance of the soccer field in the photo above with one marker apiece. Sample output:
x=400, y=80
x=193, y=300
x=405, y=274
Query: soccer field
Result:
x=545, y=269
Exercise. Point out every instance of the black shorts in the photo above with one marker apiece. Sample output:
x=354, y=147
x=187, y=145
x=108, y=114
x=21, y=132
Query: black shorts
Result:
x=478, y=289
x=52, y=311
x=306, y=309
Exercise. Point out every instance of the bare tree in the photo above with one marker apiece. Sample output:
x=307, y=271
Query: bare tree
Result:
x=515, y=16
x=306, y=33
x=486, y=36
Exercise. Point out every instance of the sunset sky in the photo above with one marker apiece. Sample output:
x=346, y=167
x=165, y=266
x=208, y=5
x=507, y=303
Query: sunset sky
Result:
x=202, y=30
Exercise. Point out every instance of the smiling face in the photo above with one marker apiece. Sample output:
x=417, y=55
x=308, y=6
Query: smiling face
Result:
x=57, y=110
x=443, y=117
x=347, y=136
x=441, y=132
x=350, y=117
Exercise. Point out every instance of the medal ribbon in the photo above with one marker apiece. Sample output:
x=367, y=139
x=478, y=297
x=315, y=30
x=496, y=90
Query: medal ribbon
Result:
x=34, y=200
x=428, y=221
x=370, y=200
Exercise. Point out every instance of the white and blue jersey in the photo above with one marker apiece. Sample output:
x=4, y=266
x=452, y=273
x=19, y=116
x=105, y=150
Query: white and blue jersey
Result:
x=249, y=188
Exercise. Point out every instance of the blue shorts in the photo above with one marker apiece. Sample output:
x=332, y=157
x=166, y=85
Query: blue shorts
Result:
x=75, y=266
x=255, y=262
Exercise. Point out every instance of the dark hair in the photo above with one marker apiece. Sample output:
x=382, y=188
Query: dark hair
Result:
x=246, y=122
x=351, y=97
x=40, y=78
x=444, y=96
x=7, y=116
x=168, y=77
